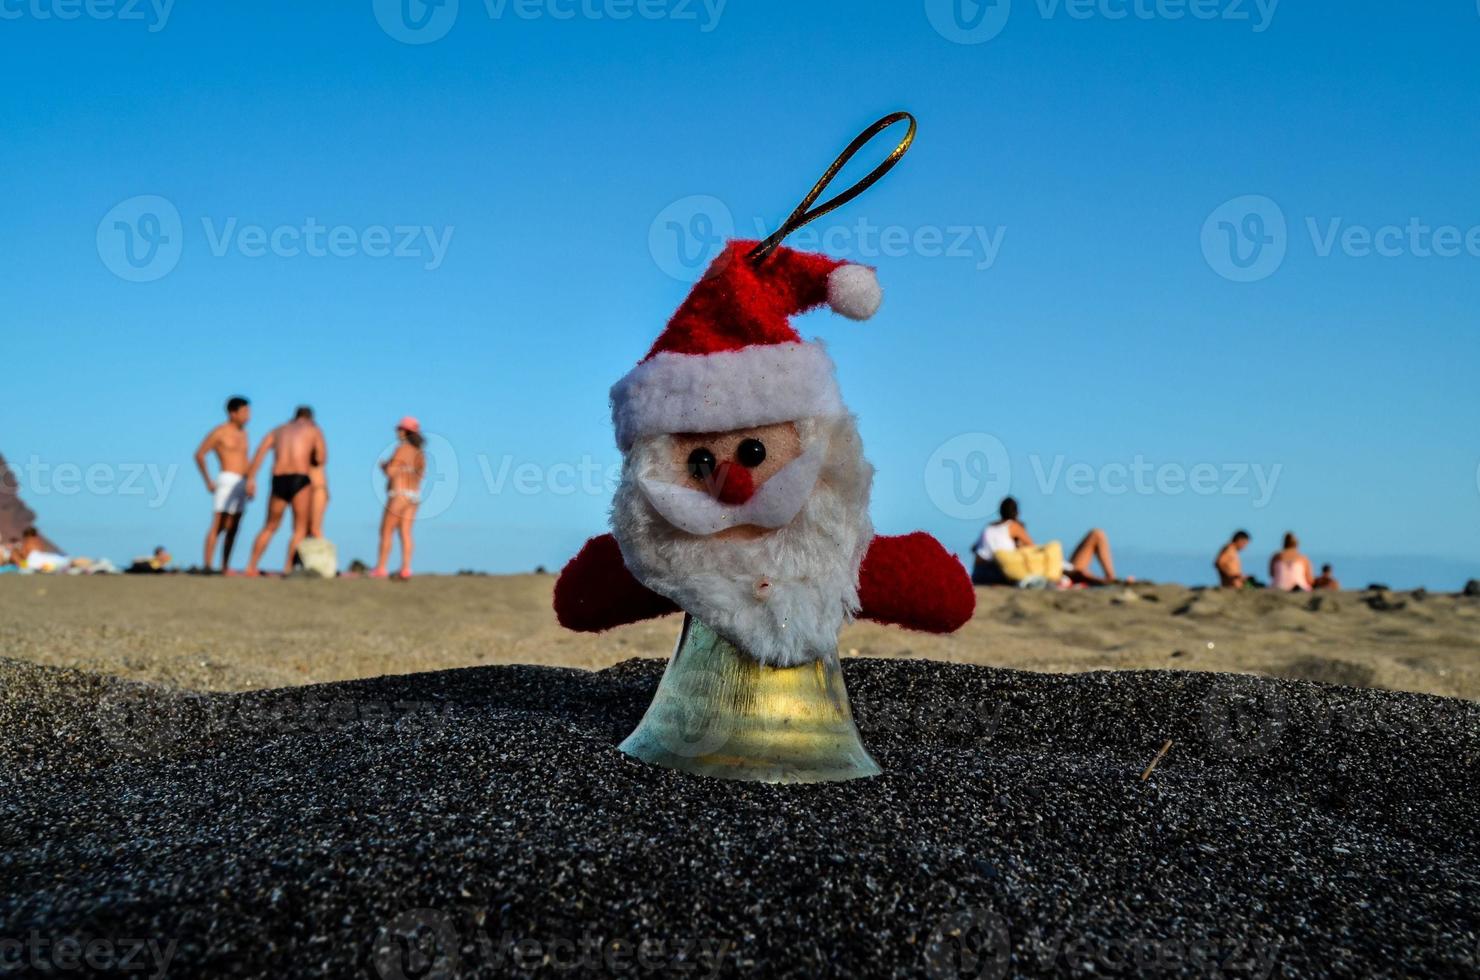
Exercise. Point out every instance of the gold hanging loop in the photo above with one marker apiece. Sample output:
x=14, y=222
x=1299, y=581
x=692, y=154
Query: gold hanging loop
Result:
x=800, y=216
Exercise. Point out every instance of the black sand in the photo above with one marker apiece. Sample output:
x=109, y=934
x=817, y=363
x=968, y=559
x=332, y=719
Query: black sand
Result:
x=1292, y=830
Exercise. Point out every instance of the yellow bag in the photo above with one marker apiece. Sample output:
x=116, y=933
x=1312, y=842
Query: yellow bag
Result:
x=1021, y=563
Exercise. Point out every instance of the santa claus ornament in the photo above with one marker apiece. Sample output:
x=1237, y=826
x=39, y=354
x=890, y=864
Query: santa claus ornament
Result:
x=743, y=502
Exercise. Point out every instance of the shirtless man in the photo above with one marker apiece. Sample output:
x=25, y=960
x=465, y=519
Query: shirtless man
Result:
x=318, y=504
x=229, y=442
x=1230, y=568
x=297, y=447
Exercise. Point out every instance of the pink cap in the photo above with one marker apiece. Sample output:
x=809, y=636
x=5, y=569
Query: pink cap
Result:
x=409, y=423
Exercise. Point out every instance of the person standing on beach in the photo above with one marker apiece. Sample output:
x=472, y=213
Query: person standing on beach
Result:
x=403, y=474
x=229, y=489
x=1230, y=567
x=319, y=482
x=297, y=447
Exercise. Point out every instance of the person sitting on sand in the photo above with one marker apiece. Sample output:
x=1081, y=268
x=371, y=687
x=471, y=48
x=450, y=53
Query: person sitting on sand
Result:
x=1326, y=581
x=297, y=446
x=1289, y=570
x=403, y=472
x=1008, y=534
x=1230, y=568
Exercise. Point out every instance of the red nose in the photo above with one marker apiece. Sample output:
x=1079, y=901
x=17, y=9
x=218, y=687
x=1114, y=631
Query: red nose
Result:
x=737, y=487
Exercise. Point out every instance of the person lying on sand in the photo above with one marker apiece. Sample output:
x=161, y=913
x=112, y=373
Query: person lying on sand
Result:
x=1230, y=568
x=32, y=555
x=155, y=564
x=1008, y=534
x=1326, y=581
x=297, y=447
x=1289, y=570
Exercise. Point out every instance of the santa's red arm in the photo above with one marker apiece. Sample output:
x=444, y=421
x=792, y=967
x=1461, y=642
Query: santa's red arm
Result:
x=912, y=581
x=596, y=592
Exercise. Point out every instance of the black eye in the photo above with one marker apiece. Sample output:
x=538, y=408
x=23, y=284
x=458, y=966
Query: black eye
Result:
x=701, y=463
x=751, y=453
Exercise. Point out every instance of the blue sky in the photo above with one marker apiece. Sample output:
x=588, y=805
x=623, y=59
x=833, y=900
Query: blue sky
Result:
x=1064, y=252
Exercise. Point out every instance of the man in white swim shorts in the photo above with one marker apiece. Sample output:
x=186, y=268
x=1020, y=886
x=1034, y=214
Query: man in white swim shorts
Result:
x=229, y=487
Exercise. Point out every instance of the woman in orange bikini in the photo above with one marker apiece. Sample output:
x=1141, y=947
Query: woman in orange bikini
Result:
x=403, y=473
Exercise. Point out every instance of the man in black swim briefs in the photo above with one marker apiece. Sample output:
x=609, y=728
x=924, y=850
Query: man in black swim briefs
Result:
x=296, y=446
x=285, y=486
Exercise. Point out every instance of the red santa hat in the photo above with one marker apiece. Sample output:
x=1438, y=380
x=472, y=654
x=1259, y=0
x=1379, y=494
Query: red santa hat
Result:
x=730, y=358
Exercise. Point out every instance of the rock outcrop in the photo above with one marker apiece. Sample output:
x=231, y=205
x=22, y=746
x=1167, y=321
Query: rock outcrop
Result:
x=15, y=516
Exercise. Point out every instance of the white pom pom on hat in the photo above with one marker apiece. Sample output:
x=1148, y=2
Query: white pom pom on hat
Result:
x=854, y=292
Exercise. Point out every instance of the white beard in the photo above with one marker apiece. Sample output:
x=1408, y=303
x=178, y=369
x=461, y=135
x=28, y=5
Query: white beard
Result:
x=811, y=564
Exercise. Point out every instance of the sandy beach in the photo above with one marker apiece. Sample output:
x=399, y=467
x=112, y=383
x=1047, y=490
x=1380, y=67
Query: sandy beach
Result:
x=213, y=634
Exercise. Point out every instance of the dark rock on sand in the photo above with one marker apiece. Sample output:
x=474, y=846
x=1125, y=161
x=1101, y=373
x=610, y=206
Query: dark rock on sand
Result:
x=1323, y=603
x=1472, y=587
x=481, y=822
